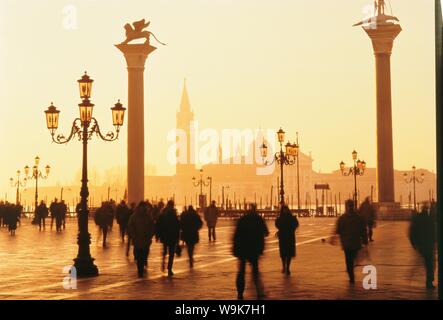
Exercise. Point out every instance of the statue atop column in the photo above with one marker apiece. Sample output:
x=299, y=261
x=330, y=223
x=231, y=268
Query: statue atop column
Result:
x=136, y=31
x=136, y=55
x=379, y=15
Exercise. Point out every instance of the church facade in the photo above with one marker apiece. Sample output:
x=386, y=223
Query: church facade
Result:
x=236, y=179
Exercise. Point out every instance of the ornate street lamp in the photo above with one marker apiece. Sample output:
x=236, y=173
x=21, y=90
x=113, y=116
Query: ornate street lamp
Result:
x=18, y=182
x=84, y=128
x=283, y=158
x=36, y=174
x=414, y=179
x=357, y=170
x=201, y=183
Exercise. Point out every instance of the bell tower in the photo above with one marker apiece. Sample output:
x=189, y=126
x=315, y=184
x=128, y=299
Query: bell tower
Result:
x=184, y=118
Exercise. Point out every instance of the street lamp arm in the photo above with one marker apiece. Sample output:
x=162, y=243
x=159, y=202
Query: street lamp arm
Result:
x=110, y=136
x=196, y=184
x=205, y=183
x=289, y=160
x=349, y=173
x=75, y=129
x=41, y=176
x=275, y=158
x=18, y=183
x=420, y=180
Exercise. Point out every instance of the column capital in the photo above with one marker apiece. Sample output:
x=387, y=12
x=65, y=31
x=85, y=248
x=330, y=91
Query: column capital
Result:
x=136, y=54
x=383, y=36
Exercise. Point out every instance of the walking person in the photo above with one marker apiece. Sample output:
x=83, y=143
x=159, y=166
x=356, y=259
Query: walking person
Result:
x=122, y=216
x=369, y=215
x=353, y=234
x=190, y=224
x=422, y=237
x=2, y=213
x=103, y=218
x=131, y=212
x=60, y=215
x=286, y=224
x=168, y=228
x=211, y=216
x=13, y=213
x=42, y=213
x=53, y=208
x=158, y=210
x=141, y=230
x=249, y=243
x=64, y=213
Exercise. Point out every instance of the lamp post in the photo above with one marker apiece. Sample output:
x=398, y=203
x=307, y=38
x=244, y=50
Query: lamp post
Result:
x=223, y=196
x=201, y=183
x=61, y=192
x=84, y=128
x=18, y=183
x=357, y=170
x=283, y=158
x=296, y=153
x=36, y=174
x=210, y=189
x=414, y=179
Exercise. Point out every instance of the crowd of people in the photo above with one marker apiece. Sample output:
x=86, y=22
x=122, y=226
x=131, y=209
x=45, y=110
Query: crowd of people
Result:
x=10, y=215
x=145, y=222
x=57, y=210
x=141, y=224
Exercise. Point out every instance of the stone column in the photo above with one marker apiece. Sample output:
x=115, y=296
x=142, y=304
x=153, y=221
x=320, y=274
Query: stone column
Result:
x=382, y=36
x=136, y=55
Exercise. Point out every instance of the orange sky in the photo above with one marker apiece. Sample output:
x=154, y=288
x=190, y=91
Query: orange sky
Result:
x=298, y=64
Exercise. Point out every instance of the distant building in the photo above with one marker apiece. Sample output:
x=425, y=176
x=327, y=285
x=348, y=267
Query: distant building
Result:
x=243, y=181
x=245, y=185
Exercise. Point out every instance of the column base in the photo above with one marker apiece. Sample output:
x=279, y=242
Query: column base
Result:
x=85, y=267
x=392, y=211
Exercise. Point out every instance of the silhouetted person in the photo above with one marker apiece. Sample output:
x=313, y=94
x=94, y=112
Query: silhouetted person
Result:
x=42, y=213
x=64, y=213
x=190, y=224
x=131, y=212
x=78, y=208
x=12, y=215
x=369, y=215
x=141, y=230
x=53, y=208
x=433, y=212
x=2, y=213
x=103, y=219
x=158, y=209
x=168, y=228
x=286, y=224
x=60, y=215
x=122, y=214
x=422, y=237
x=113, y=207
x=353, y=234
x=249, y=243
x=211, y=216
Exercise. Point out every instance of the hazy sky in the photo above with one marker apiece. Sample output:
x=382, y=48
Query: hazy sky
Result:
x=298, y=64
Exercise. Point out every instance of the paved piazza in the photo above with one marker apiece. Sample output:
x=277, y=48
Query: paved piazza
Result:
x=32, y=262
